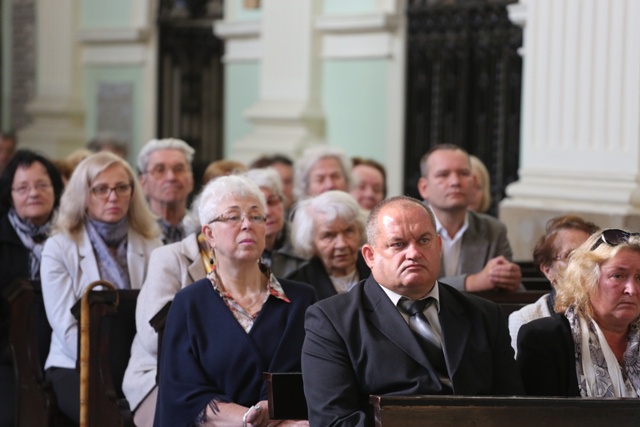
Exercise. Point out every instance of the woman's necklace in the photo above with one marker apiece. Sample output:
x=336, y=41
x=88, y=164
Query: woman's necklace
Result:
x=258, y=298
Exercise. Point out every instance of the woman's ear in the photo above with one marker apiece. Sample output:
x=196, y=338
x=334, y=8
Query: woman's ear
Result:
x=549, y=272
x=208, y=235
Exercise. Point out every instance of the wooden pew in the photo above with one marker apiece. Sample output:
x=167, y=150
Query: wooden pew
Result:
x=512, y=301
x=286, y=401
x=112, y=328
x=460, y=411
x=532, y=277
x=30, y=338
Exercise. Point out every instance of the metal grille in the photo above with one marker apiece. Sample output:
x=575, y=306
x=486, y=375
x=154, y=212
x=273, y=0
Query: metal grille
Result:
x=190, y=92
x=463, y=86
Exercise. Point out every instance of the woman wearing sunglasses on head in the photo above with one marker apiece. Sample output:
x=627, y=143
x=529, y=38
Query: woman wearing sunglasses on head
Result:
x=104, y=231
x=590, y=347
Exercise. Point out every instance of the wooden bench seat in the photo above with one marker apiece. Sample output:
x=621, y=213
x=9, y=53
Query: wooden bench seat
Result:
x=460, y=411
x=286, y=401
x=512, y=301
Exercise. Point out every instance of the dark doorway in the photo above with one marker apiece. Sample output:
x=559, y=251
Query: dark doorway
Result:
x=190, y=78
x=463, y=86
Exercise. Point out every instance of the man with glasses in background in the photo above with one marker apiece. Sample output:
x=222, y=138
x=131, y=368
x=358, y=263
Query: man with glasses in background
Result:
x=165, y=172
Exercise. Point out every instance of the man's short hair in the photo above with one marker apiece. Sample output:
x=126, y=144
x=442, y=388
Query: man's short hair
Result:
x=372, y=221
x=266, y=161
x=163, y=144
x=107, y=140
x=424, y=170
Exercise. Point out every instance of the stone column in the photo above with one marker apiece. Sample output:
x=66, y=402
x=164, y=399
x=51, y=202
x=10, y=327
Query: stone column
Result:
x=580, y=149
x=288, y=116
x=57, y=113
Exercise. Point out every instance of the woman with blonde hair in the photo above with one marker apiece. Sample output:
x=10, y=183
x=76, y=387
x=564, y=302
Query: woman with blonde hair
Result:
x=591, y=346
x=480, y=200
x=104, y=230
x=563, y=234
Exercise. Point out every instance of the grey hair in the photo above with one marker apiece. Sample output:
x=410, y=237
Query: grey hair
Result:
x=332, y=205
x=308, y=160
x=372, y=221
x=163, y=144
x=266, y=178
x=223, y=187
x=73, y=204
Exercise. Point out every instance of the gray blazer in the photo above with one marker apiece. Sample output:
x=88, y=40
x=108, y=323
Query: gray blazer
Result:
x=68, y=267
x=485, y=238
x=171, y=268
x=357, y=344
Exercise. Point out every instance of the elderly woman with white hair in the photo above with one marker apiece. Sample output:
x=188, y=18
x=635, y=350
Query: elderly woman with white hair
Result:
x=278, y=253
x=225, y=330
x=321, y=169
x=103, y=231
x=329, y=230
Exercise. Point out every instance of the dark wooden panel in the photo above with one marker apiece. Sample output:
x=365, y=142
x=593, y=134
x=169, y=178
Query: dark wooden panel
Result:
x=460, y=411
x=285, y=393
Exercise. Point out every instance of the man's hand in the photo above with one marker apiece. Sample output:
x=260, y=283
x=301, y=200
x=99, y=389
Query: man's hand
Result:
x=499, y=273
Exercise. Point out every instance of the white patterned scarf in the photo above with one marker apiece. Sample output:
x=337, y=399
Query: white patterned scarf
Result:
x=599, y=373
x=32, y=237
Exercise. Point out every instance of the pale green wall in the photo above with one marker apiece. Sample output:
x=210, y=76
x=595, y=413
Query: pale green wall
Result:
x=241, y=91
x=6, y=28
x=94, y=76
x=106, y=13
x=239, y=13
x=340, y=7
x=354, y=96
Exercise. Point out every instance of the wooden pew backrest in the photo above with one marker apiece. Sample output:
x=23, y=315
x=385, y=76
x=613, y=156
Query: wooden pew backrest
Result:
x=112, y=329
x=461, y=411
x=30, y=337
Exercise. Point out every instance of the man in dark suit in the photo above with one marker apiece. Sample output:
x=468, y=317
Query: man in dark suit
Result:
x=476, y=255
x=360, y=343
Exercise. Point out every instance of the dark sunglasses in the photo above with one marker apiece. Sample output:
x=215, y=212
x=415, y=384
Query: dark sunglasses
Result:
x=613, y=237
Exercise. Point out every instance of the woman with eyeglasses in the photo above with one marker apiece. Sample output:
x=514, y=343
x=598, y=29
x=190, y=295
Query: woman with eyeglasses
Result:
x=30, y=190
x=591, y=346
x=563, y=234
x=104, y=231
x=278, y=252
x=224, y=331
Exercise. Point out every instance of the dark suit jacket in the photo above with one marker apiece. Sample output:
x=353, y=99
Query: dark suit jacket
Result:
x=207, y=355
x=546, y=357
x=358, y=344
x=485, y=238
x=313, y=272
